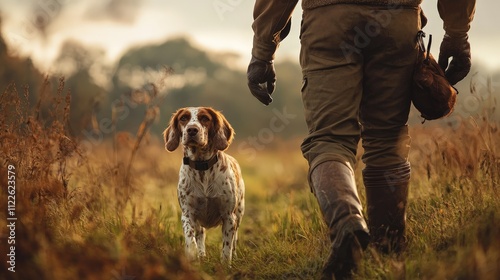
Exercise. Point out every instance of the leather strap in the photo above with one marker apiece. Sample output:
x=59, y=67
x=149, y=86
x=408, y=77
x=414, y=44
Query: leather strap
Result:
x=201, y=165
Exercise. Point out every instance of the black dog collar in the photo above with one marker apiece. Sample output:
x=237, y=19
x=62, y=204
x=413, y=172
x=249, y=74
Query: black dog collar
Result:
x=201, y=165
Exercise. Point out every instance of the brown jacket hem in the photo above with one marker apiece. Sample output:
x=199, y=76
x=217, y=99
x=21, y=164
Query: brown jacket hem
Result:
x=311, y=4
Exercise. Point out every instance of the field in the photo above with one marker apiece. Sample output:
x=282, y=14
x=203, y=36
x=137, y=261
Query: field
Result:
x=109, y=210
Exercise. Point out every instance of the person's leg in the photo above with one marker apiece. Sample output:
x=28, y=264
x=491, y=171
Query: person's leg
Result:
x=386, y=197
x=335, y=190
x=389, y=62
x=331, y=95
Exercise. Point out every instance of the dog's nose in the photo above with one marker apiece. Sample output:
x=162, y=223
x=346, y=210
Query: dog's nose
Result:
x=192, y=131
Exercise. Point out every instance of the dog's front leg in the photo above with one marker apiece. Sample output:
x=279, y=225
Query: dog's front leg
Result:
x=238, y=215
x=228, y=235
x=189, y=235
x=200, y=241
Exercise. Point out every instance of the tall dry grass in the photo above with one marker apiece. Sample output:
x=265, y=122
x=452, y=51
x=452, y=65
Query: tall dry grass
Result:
x=111, y=211
x=77, y=210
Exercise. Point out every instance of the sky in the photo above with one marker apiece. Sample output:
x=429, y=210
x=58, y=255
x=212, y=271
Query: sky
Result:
x=38, y=28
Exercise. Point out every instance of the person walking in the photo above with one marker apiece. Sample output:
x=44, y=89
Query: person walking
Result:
x=357, y=59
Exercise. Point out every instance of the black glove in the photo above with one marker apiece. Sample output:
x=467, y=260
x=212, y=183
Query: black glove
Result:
x=261, y=78
x=459, y=49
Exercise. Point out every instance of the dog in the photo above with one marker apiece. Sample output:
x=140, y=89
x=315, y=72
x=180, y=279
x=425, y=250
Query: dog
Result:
x=211, y=189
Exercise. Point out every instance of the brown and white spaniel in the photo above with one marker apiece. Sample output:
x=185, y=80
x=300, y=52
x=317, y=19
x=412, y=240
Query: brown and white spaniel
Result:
x=211, y=189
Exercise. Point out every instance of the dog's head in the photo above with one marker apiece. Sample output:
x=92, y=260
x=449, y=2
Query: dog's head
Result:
x=201, y=127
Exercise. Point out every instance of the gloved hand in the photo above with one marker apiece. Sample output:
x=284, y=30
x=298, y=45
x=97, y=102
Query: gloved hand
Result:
x=458, y=48
x=261, y=78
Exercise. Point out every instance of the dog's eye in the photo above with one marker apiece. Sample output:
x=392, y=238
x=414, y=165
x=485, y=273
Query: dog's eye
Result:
x=184, y=118
x=204, y=119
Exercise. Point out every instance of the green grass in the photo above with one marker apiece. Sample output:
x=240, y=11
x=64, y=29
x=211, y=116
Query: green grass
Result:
x=86, y=216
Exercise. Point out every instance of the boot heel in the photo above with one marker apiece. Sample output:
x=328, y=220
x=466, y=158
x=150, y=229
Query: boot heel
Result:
x=344, y=260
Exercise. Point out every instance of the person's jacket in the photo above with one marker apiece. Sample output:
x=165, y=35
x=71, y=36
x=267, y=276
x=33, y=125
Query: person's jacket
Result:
x=272, y=18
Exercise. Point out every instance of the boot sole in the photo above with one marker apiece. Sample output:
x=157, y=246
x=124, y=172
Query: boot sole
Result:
x=344, y=261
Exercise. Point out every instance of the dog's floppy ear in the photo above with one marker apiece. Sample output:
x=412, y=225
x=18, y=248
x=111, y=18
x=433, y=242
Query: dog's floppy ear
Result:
x=172, y=134
x=223, y=132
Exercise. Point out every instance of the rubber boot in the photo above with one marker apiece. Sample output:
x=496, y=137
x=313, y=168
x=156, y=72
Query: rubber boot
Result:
x=333, y=184
x=387, y=197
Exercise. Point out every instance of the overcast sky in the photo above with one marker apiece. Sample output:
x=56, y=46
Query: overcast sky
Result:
x=35, y=29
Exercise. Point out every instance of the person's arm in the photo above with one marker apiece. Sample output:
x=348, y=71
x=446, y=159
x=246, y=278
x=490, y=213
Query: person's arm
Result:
x=457, y=16
x=271, y=25
x=272, y=21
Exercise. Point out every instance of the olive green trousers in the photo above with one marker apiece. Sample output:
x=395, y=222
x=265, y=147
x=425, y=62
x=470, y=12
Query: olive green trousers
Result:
x=357, y=63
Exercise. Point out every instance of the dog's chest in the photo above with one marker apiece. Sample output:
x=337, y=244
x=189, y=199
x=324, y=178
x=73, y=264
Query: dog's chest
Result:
x=207, y=210
x=208, y=197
